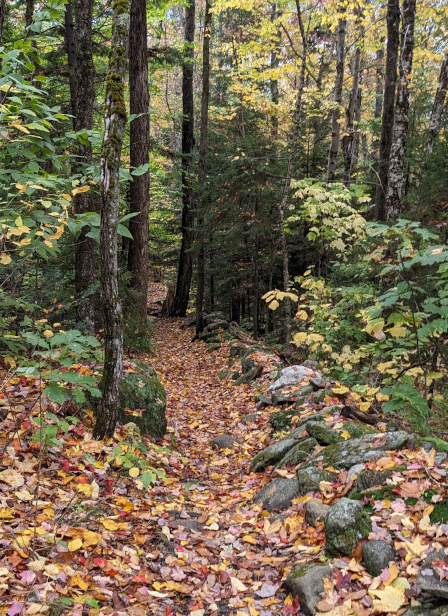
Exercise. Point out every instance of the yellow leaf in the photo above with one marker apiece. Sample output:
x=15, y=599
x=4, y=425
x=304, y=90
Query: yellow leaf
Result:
x=364, y=406
x=134, y=472
x=397, y=331
x=66, y=197
x=300, y=337
x=79, y=582
x=48, y=333
x=249, y=539
x=391, y=599
x=302, y=315
x=238, y=584
x=274, y=305
x=5, y=259
x=345, y=434
x=315, y=337
x=341, y=389
x=75, y=544
x=83, y=189
x=90, y=538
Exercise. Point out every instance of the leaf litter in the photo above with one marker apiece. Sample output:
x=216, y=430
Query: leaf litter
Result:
x=79, y=536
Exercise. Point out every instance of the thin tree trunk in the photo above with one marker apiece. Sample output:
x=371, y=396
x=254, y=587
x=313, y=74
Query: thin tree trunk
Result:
x=29, y=13
x=139, y=154
x=401, y=120
x=83, y=202
x=256, y=276
x=70, y=45
x=185, y=270
x=379, y=79
x=201, y=165
x=356, y=133
x=437, y=109
x=335, y=127
x=2, y=18
x=115, y=121
x=348, y=140
x=273, y=83
x=387, y=123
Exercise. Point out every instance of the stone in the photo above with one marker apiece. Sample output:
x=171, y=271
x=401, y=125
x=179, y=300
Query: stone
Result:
x=428, y=579
x=214, y=346
x=249, y=418
x=247, y=364
x=427, y=609
x=281, y=420
x=358, y=429
x=354, y=471
x=272, y=454
x=369, y=479
x=300, y=426
x=186, y=523
x=318, y=396
x=218, y=325
x=264, y=401
x=311, y=363
x=142, y=392
x=310, y=478
x=278, y=494
x=307, y=583
x=440, y=457
x=279, y=398
x=306, y=390
x=376, y=556
x=355, y=451
x=292, y=375
x=224, y=441
x=250, y=376
x=319, y=382
x=298, y=453
x=315, y=510
x=209, y=337
x=346, y=523
x=322, y=433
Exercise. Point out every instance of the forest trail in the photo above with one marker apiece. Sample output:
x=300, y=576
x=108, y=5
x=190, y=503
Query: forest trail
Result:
x=230, y=566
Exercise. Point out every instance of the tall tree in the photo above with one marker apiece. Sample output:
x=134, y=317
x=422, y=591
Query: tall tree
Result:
x=336, y=114
x=439, y=103
x=185, y=270
x=401, y=120
x=85, y=100
x=139, y=153
x=29, y=12
x=70, y=45
x=115, y=121
x=2, y=17
x=387, y=123
x=202, y=165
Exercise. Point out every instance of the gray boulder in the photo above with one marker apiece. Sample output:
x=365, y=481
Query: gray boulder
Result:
x=355, y=451
x=318, y=416
x=224, y=441
x=307, y=583
x=315, y=510
x=250, y=418
x=310, y=478
x=272, y=454
x=249, y=376
x=278, y=494
x=377, y=556
x=292, y=375
x=427, y=609
x=354, y=471
x=345, y=524
x=298, y=453
x=428, y=579
x=322, y=433
x=369, y=479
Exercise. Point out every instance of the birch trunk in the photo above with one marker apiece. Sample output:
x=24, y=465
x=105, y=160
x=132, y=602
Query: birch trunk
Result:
x=387, y=123
x=83, y=202
x=439, y=103
x=401, y=120
x=115, y=120
x=201, y=165
x=139, y=154
x=336, y=115
x=185, y=270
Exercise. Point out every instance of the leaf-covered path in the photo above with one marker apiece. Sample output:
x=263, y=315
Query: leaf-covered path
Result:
x=229, y=565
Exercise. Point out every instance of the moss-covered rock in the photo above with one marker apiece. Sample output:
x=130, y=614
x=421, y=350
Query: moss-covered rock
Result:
x=322, y=433
x=298, y=453
x=307, y=583
x=369, y=479
x=281, y=420
x=214, y=346
x=319, y=396
x=358, y=430
x=250, y=376
x=439, y=513
x=300, y=425
x=272, y=454
x=218, y=325
x=209, y=337
x=143, y=401
x=345, y=524
x=278, y=494
x=310, y=478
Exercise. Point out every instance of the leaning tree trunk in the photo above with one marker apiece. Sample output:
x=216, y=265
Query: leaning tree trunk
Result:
x=85, y=100
x=139, y=154
x=115, y=121
x=70, y=45
x=387, y=123
x=439, y=103
x=201, y=166
x=185, y=270
x=401, y=120
x=335, y=127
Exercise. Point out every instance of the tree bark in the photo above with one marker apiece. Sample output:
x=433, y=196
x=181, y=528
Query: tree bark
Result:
x=2, y=19
x=379, y=79
x=115, y=120
x=185, y=270
x=336, y=115
x=83, y=202
x=29, y=12
x=256, y=276
x=348, y=140
x=387, y=123
x=401, y=120
x=201, y=166
x=70, y=45
x=139, y=154
x=437, y=109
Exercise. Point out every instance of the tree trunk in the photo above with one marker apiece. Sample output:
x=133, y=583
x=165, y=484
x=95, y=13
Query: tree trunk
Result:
x=335, y=128
x=401, y=120
x=139, y=154
x=115, y=121
x=2, y=19
x=185, y=270
x=83, y=202
x=437, y=110
x=379, y=79
x=348, y=140
x=29, y=12
x=387, y=123
x=70, y=45
x=256, y=275
x=201, y=165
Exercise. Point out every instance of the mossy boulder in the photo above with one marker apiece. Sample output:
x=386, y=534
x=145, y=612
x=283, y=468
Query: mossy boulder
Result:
x=346, y=523
x=319, y=396
x=322, y=433
x=281, y=420
x=358, y=430
x=307, y=583
x=278, y=494
x=143, y=401
x=310, y=478
x=272, y=454
x=300, y=425
x=213, y=346
x=298, y=453
x=279, y=397
x=369, y=479
x=250, y=376
x=218, y=325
